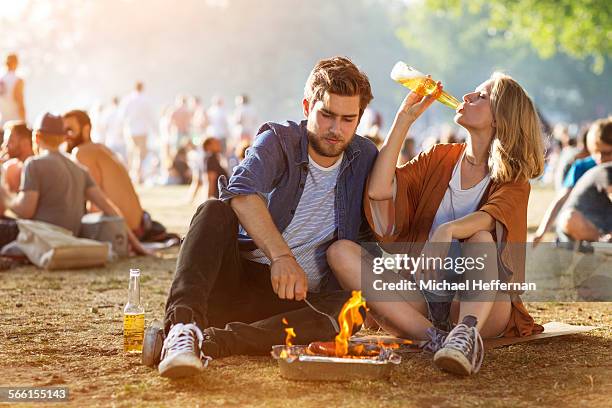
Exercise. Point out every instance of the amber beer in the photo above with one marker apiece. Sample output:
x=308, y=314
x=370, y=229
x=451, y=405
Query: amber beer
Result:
x=419, y=83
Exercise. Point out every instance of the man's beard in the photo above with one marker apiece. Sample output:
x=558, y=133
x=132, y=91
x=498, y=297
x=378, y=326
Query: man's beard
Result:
x=73, y=142
x=324, y=149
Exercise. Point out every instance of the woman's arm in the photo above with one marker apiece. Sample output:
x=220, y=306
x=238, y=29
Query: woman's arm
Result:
x=381, y=179
x=464, y=227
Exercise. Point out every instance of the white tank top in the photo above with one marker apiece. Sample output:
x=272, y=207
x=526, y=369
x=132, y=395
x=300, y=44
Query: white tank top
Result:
x=458, y=203
x=9, y=110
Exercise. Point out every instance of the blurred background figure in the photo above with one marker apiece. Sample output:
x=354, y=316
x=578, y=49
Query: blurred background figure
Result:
x=199, y=122
x=574, y=148
x=95, y=112
x=139, y=125
x=17, y=147
x=408, y=151
x=209, y=171
x=179, y=172
x=180, y=123
x=375, y=136
x=111, y=127
x=218, y=122
x=245, y=120
x=448, y=134
x=12, y=105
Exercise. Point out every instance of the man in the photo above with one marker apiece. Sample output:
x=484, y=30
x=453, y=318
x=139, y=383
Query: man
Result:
x=139, y=122
x=12, y=106
x=18, y=147
x=104, y=167
x=587, y=213
x=250, y=258
x=599, y=143
x=53, y=188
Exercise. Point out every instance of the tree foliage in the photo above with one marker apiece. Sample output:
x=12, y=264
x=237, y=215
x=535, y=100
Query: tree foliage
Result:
x=462, y=50
x=579, y=28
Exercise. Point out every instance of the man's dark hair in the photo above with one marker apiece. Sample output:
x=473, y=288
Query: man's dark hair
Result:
x=338, y=75
x=81, y=116
x=20, y=129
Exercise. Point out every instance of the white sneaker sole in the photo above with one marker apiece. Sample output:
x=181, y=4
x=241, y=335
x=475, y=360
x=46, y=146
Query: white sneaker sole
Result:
x=180, y=365
x=452, y=361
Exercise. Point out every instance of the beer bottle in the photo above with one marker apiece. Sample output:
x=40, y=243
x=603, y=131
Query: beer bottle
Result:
x=133, y=316
x=419, y=83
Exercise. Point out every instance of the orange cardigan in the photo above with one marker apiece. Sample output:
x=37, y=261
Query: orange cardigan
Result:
x=421, y=184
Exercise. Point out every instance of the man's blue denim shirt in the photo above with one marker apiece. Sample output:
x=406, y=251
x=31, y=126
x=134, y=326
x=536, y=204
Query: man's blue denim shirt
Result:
x=276, y=167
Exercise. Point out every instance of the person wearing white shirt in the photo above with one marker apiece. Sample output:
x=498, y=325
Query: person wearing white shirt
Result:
x=139, y=122
x=12, y=106
x=112, y=129
x=217, y=121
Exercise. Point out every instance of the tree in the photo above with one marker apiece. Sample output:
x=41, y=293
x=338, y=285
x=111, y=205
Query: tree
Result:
x=462, y=50
x=579, y=28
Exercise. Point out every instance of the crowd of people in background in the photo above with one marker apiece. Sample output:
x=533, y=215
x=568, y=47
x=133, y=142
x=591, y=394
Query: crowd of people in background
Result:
x=126, y=142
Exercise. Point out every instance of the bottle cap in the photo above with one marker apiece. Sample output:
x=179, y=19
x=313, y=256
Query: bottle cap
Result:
x=134, y=272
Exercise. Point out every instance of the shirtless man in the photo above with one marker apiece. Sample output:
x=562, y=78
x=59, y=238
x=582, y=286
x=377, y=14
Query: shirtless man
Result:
x=105, y=168
x=17, y=146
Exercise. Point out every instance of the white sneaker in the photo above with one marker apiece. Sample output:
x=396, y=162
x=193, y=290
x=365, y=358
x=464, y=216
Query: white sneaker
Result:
x=182, y=352
x=462, y=351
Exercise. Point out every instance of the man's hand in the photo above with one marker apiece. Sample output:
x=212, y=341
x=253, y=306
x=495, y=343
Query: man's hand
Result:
x=288, y=278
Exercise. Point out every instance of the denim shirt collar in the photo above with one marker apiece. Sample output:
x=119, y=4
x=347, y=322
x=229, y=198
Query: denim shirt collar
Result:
x=351, y=153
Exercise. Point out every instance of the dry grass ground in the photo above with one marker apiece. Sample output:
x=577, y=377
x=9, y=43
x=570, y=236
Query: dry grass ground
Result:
x=65, y=329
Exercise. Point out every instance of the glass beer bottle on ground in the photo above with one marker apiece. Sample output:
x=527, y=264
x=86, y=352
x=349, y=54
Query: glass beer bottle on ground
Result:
x=133, y=316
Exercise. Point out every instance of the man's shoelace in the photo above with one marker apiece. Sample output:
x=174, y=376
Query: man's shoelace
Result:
x=436, y=339
x=182, y=337
x=468, y=341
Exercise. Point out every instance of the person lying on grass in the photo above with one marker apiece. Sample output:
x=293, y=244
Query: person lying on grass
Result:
x=455, y=191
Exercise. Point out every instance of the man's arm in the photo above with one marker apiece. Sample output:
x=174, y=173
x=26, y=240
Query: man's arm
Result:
x=258, y=174
x=99, y=199
x=551, y=215
x=288, y=278
x=24, y=205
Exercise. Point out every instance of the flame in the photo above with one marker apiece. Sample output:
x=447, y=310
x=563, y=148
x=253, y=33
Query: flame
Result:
x=290, y=336
x=288, y=339
x=348, y=318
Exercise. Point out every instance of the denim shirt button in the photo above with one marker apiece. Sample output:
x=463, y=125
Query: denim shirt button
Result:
x=292, y=212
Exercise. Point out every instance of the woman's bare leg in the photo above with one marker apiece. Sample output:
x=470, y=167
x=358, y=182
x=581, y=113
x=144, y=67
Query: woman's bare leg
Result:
x=400, y=318
x=492, y=310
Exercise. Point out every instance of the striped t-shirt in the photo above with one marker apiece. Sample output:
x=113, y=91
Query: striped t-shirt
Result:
x=313, y=227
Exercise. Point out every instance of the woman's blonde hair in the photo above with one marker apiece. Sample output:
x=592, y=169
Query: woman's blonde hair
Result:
x=517, y=149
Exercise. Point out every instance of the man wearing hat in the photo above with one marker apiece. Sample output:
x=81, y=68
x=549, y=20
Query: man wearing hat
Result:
x=53, y=188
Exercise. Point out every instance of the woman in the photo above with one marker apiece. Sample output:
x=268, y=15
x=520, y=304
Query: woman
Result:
x=475, y=192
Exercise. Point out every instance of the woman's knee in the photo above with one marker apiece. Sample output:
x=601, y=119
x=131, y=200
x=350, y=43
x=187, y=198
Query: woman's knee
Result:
x=481, y=236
